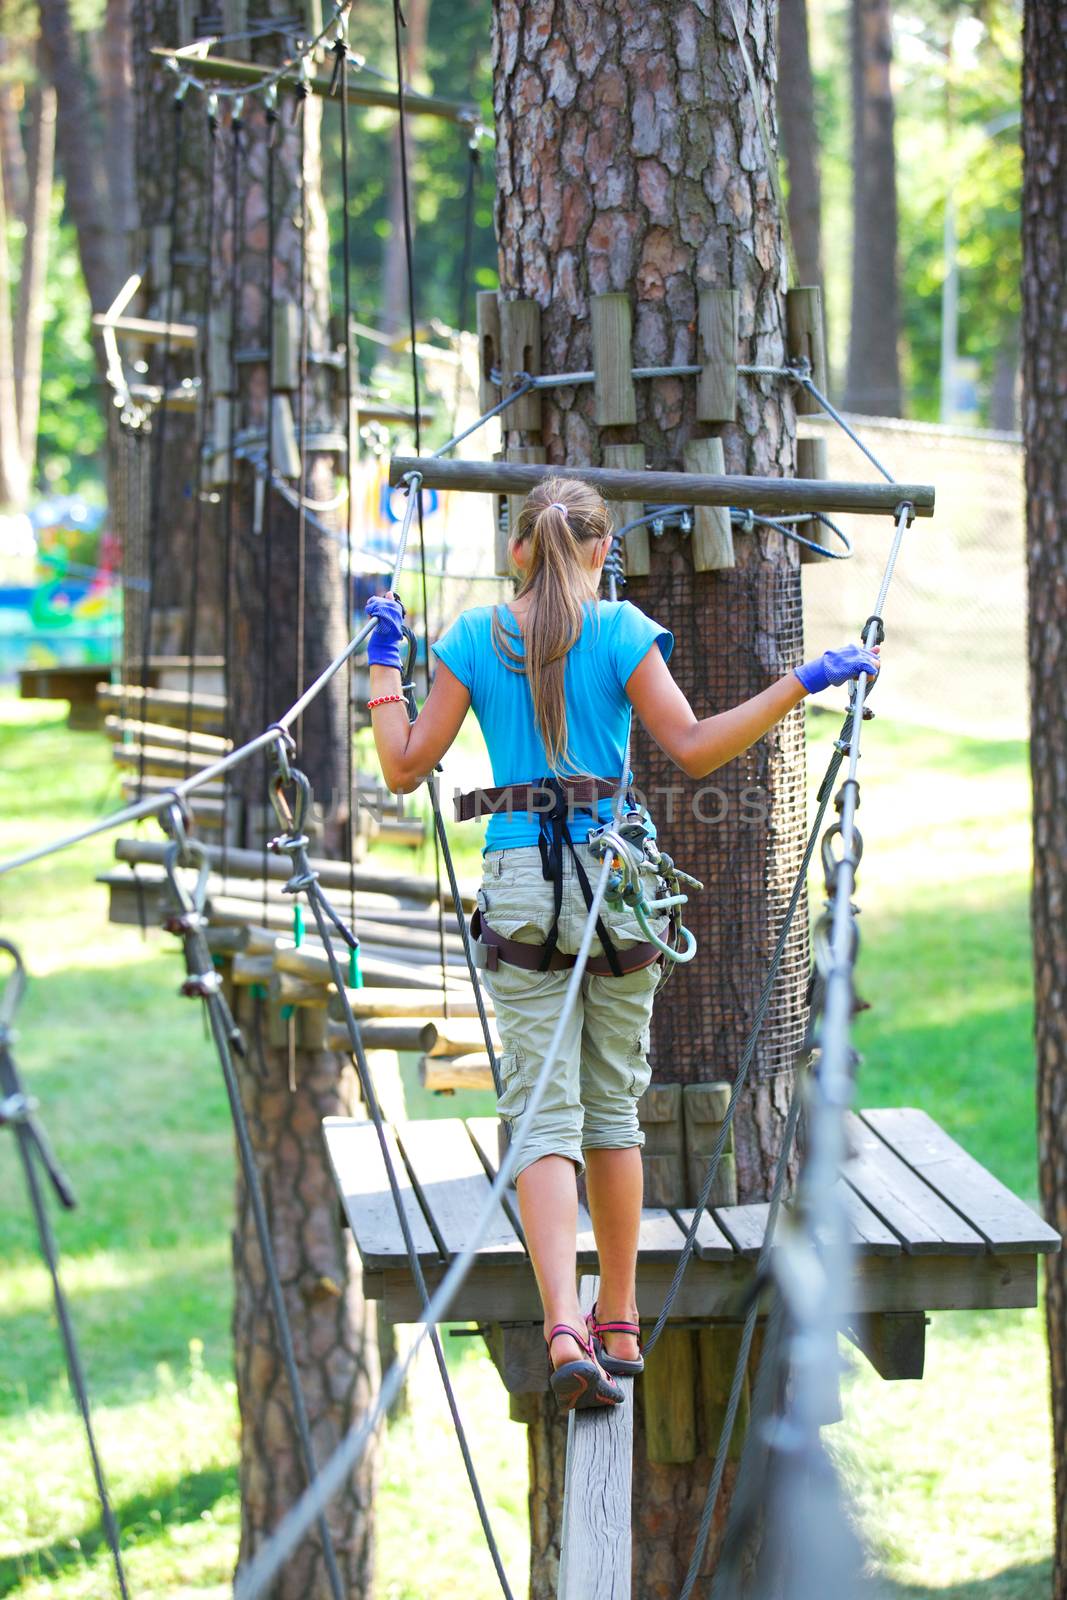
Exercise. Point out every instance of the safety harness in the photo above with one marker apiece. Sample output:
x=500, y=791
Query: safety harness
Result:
x=554, y=801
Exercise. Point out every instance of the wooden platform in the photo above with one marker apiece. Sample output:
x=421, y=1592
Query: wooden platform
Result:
x=933, y=1229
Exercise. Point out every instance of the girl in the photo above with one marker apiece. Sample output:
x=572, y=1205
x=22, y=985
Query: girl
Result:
x=552, y=678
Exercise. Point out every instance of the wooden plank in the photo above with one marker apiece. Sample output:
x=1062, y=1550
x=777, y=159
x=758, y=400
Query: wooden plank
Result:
x=379, y=1033
x=285, y=354
x=717, y=317
x=812, y=463
x=869, y=1232
x=168, y=706
x=704, y=1107
x=711, y=1243
x=918, y=1216
x=359, y=1170
x=660, y=1237
x=743, y=1226
x=771, y=495
x=670, y=1397
x=472, y=1071
x=520, y=351
x=719, y=1349
x=451, y=1182
x=485, y=1135
x=487, y=308
x=713, y=540
x=611, y=323
x=180, y=335
x=712, y=1291
x=806, y=338
x=636, y=550
x=894, y=1342
x=1005, y=1222
x=595, y=1543
x=659, y=1111
x=515, y=452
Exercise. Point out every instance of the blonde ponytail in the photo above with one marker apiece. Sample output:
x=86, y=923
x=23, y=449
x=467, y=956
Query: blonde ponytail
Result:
x=556, y=519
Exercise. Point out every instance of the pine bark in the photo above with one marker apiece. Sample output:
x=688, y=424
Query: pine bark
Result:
x=29, y=316
x=1044, y=333
x=80, y=156
x=873, y=382
x=394, y=255
x=800, y=139
x=629, y=160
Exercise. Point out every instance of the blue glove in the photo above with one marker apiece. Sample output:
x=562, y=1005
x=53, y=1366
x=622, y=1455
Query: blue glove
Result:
x=386, y=646
x=837, y=666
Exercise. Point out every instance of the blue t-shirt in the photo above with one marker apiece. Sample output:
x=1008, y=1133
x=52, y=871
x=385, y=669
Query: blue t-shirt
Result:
x=615, y=638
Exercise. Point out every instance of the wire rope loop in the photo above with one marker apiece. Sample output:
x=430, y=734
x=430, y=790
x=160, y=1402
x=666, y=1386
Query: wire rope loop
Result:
x=176, y=819
x=190, y=903
x=14, y=988
x=831, y=863
x=285, y=746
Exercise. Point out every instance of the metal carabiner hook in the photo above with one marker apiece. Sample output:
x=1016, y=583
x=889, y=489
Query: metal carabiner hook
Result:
x=292, y=817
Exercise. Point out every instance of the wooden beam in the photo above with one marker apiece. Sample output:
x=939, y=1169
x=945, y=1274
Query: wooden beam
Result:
x=806, y=338
x=636, y=552
x=612, y=329
x=894, y=1342
x=769, y=495
x=713, y=539
x=180, y=335
x=670, y=1397
x=596, y=1541
x=717, y=319
x=221, y=69
x=520, y=351
x=487, y=306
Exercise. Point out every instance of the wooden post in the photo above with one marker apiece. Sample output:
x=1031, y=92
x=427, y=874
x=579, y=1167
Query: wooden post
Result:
x=489, y=355
x=659, y=1112
x=717, y=329
x=635, y=546
x=285, y=452
x=719, y=1347
x=669, y=1384
x=515, y=452
x=811, y=463
x=713, y=540
x=612, y=328
x=595, y=1546
x=807, y=339
x=520, y=351
x=285, y=368
x=705, y=1111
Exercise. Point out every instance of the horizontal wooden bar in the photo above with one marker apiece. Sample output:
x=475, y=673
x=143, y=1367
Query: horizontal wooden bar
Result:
x=181, y=335
x=220, y=69
x=769, y=496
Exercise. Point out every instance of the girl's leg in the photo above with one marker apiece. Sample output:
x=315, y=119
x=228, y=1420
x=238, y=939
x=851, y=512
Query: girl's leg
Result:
x=615, y=1185
x=548, y=1203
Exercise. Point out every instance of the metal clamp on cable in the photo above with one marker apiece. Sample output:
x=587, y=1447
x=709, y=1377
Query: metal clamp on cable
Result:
x=17, y=1108
x=632, y=845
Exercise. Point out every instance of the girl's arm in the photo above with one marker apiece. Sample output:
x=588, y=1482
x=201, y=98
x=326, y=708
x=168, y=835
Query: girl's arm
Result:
x=700, y=745
x=409, y=751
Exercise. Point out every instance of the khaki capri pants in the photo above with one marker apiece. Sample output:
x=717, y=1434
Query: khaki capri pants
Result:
x=602, y=1068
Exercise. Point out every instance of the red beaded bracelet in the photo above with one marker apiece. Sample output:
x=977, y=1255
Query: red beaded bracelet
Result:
x=385, y=700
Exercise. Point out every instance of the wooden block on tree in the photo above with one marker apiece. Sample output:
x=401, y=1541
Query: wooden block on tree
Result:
x=635, y=546
x=285, y=364
x=312, y=1028
x=159, y=258
x=518, y=1353
x=713, y=540
x=235, y=26
x=717, y=329
x=705, y=1107
x=285, y=451
x=217, y=463
x=487, y=306
x=806, y=335
x=516, y=452
x=669, y=1385
x=219, y=355
x=719, y=1349
x=894, y=1342
x=659, y=1112
x=520, y=351
x=612, y=329
x=812, y=463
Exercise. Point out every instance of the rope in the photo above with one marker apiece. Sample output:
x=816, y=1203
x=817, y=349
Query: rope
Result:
x=201, y=440
x=160, y=427
x=413, y=330
x=341, y=79
x=304, y=94
x=203, y=982
x=267, y=662
x=294, y=844
x=17, y=1109
x=231, y=447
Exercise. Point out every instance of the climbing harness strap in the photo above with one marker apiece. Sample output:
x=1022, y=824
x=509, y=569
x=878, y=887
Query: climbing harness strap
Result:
x=539, y=798
x=491, y=948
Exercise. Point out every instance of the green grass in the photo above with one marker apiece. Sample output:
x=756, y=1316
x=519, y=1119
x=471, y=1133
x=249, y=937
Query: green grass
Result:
x=951, y=1476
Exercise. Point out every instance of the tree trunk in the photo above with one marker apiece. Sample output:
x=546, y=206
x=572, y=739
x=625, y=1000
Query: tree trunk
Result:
x=333, y=1331
x=12, y=153
x=394, y=257
x=800, y=139
x=29, y=319
x=333, y=1327
x=873, y=383
x=117, y=96
x=12, y=477
x=629, y=160
x=1044, y=339
x=80, y=156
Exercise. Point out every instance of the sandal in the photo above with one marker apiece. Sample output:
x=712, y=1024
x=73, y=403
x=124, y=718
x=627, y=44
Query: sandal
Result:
x=580, y=1385
x=614, y=1364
